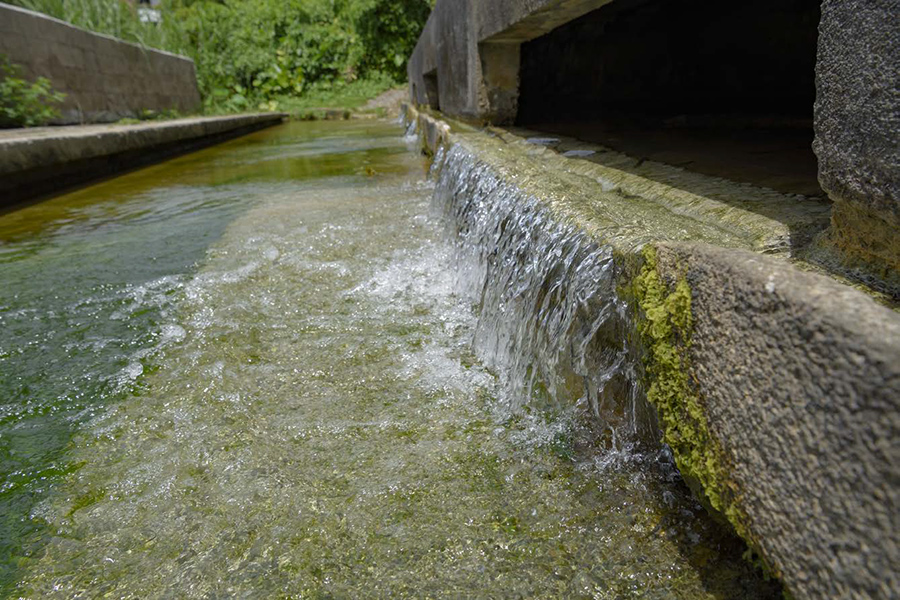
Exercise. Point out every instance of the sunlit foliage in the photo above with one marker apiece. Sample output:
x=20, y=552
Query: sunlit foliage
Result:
x=251, y=53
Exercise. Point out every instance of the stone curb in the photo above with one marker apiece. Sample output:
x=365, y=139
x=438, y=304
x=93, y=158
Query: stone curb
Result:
x=795, y=377
x=40, y=161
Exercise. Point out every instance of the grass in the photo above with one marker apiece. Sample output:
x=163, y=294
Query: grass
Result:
x=340, y=95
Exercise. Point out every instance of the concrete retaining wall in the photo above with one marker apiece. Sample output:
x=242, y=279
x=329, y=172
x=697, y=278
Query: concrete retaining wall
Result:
x=104, y=79
x=783, y=404
x=467, y=64
x=35, y=162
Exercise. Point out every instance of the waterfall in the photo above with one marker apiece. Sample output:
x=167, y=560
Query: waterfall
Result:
x=551, y=322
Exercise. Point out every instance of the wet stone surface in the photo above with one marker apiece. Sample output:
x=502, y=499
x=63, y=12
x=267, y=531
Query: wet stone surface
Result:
x=258, y=380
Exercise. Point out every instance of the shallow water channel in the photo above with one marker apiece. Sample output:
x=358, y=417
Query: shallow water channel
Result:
x=258, y=371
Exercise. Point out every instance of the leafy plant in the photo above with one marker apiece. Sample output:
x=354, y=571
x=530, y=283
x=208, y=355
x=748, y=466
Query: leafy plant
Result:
x=389, y=31
x=255, y=53
x=24, y=103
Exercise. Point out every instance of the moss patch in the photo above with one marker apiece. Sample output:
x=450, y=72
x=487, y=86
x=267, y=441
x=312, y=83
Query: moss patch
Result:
x=665, y=330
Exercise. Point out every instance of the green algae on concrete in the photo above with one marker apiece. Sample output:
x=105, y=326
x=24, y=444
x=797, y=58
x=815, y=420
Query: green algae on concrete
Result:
x=624, y=208
x=665, y=325
x=316, y=425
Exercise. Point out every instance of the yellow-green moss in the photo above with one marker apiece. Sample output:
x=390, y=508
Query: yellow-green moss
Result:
x=665, y=329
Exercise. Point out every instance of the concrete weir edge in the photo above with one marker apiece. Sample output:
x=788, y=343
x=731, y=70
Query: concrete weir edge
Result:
x=35, y=163
x=782, y=403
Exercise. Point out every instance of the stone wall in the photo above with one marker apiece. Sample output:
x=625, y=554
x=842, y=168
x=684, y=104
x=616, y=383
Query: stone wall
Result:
x=104, y=79
x=857, y=116
x=473, y=63
x=791, y=378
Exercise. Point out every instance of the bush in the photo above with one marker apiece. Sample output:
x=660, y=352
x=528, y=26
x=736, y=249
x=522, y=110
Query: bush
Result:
x=23, y=103
x=251, y=53
x=389, y=30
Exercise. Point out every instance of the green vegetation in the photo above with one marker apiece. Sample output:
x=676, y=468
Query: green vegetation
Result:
x=24, y=103
x=665, y=329
x=265, y=54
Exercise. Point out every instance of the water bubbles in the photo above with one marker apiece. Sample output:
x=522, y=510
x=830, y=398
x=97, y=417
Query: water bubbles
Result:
x=171, y=333
x=550, y=320
x=271, y=253
x=132, y=371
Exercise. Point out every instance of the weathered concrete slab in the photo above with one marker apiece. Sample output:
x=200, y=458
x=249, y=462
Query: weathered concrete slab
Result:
x=798, y=378
x=780, y=396
x=517, y=21
x=633, y=204
x=38, y=161
x=469, y=64
x=858, y=132
x=104, y=78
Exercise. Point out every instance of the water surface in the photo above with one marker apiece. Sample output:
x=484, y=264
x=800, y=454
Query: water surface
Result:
x=258, y=371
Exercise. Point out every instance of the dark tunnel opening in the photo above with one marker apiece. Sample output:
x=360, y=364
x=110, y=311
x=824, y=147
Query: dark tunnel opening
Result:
x=716, y=87
x=431, y=89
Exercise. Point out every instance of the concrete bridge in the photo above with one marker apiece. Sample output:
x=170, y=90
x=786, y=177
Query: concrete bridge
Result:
x=656, y=75
x=779, y=121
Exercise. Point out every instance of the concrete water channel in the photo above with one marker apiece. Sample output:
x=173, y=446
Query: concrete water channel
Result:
x=741, y=161
x=281, y=368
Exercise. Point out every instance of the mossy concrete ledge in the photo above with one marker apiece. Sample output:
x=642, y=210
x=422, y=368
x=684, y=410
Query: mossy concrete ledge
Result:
x=779, y=394
x=777, y=388
x=40, y=161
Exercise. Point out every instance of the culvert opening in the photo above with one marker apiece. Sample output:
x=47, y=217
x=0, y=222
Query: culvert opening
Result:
x=716, y=87
x=431, y=89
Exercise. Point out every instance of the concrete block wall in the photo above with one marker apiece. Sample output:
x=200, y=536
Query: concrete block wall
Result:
x=104, y=79
x=857, y=123
x=469, y=58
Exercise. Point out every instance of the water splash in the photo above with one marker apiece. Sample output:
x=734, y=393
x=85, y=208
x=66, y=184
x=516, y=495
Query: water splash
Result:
x=551, y=322
x=317, y=425
x=412, y=131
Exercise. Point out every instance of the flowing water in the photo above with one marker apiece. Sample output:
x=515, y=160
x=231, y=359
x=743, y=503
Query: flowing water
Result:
x=292, y=366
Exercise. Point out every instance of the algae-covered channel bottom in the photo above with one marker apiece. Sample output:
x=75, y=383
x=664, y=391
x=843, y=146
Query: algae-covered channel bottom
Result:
x=249, y=372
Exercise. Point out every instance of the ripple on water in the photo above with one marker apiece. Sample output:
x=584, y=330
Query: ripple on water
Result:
x=320, y=425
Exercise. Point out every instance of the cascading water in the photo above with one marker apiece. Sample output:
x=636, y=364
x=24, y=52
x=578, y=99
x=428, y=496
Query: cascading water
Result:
x=300, y=411
x=551, y=322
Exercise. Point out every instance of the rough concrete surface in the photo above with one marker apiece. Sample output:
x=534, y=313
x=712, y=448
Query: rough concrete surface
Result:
x=799, y=377
x=466, y=60
x=104, y=79
x=634, y=204
x=443, y=63
x=857, y=116
x=38, y=161
x=476, y=60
